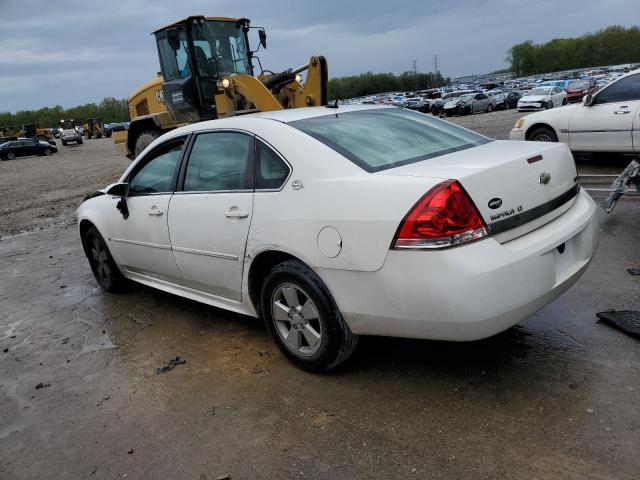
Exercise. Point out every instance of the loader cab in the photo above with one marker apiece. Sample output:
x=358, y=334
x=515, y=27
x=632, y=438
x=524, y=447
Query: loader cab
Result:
x=194, y=54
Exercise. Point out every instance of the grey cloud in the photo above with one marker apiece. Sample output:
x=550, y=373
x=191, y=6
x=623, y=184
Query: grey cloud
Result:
x=65, y=53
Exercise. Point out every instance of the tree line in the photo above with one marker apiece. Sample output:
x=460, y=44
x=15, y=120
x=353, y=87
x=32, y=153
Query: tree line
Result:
x=611, y=46
x=109, y=110
x=370, y=83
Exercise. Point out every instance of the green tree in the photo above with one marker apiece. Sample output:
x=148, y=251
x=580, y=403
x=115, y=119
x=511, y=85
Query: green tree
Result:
x=611, y=46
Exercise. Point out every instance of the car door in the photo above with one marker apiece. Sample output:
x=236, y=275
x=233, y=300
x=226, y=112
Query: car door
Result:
x=210, y=215
x=480, y=102
x=559, y=96
x=140, y=241
x=609, y=123
x=21, y=148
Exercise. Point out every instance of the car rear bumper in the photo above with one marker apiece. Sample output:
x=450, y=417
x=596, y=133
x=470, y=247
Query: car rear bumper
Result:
x=470, y=292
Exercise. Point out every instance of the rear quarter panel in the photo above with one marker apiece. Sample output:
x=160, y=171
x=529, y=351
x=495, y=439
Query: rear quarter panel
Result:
x=364, y=208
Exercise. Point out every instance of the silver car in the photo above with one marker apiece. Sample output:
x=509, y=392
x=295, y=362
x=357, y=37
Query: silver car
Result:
x=71, y=135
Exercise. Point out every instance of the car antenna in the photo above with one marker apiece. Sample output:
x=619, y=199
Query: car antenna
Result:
x=335, y=105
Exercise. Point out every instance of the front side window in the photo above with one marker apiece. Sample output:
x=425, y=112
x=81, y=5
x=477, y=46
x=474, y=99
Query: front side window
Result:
x=219, y=161
x=221, y=46
x=383, y=138
x=626, y=89
x=271, y=170
x=156, y=175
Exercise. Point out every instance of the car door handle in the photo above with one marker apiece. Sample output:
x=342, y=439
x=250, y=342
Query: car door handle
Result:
x=622, y=110
x=155, y=212
x=236, y=214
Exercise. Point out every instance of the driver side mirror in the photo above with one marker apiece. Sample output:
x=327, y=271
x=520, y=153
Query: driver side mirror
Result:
x=263, y=38
x=587, y=100
x=119, y=190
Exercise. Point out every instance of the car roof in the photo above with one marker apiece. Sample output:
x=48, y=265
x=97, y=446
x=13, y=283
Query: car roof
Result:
x=283, y=116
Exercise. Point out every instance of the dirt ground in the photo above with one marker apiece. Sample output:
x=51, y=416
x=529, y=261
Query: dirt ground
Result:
x=556, y=397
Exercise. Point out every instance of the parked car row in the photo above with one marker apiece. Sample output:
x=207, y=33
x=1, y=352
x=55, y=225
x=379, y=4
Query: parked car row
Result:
x=538, y=92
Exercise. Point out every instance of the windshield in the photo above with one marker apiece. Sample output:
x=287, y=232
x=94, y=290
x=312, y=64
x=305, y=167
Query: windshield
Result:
x=580, y=84
x=539, y=91
x=379, y=139
x=467, y=97
x=220, y=44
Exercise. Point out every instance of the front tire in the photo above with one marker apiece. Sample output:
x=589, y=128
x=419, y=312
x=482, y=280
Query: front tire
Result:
x=11, y=156
x=543, y=134
x=103, y=266
x=489, y=108
x=301, y=315
x=144, y=140
x=48, y=152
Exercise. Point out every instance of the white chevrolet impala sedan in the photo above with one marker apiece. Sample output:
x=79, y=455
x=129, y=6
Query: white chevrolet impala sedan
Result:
x=334, y=223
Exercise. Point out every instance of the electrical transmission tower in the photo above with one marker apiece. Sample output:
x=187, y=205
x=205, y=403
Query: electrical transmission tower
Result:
x=436, y=68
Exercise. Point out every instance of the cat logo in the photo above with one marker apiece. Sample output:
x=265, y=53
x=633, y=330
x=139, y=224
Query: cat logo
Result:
x=159, y=96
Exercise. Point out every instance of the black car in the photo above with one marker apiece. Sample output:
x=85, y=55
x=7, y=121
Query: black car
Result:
x=21, y=148
x=512, y=98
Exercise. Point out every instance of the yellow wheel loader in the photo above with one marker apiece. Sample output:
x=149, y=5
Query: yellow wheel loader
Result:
x=29, y=130
x=207, y=72
x=93, y=128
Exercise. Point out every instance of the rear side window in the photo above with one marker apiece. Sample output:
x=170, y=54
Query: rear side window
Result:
x=379, y=139
x=219, y=161
x=271, y=170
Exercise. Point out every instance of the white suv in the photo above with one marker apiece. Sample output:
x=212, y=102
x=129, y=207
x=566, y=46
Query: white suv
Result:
x=607, y=121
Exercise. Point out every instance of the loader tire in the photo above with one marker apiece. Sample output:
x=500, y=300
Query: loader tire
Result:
x=144, y=140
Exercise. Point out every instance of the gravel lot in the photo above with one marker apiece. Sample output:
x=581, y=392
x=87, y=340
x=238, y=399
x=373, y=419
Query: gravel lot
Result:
x=556, y=397
x=38, y=192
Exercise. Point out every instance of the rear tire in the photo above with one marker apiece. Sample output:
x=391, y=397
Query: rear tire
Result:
x=144, y=140
x=80, y=141
x=104, y=268
x=302, y=317
x=64, y=143
x=543, y=134
x=489, y=108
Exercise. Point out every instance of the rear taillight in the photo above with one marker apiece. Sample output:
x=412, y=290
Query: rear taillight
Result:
x=444, y=217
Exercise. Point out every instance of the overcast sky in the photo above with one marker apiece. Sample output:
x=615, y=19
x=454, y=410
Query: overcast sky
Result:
x=70, y=52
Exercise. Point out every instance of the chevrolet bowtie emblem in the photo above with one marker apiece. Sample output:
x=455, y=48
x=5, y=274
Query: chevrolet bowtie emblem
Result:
x=545, y=177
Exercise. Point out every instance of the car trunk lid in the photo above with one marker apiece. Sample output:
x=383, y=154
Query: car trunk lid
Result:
x=516, y=186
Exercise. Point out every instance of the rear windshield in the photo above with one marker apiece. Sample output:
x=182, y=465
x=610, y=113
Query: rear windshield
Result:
x=379, y=139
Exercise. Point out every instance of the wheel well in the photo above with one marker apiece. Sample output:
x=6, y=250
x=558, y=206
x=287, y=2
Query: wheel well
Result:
x=535, y=126
x=260, y=268
x=84, y=226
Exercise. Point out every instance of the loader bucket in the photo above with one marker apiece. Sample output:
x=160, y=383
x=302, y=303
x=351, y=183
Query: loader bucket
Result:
x=120, y=139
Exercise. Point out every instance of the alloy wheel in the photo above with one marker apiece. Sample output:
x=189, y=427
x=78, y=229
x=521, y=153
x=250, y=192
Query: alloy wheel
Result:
x=11, y=156
x=296, y=319
x=543, y=137
x=100, y=259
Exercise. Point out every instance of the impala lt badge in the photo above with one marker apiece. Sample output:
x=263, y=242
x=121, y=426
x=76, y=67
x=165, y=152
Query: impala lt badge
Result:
x=545, y=177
